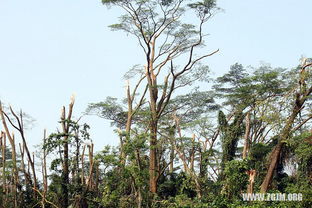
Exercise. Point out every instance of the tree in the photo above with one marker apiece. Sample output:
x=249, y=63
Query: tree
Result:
x=65, y=121
x=300, y=96
x=67, y=144
x=158, y=28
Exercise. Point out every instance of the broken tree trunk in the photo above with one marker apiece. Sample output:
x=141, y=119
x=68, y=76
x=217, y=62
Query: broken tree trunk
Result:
x=251, y=174
x=65, y=174
x=301, y=96
x=12, y=142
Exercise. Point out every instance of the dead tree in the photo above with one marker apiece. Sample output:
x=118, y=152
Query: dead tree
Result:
x=20, y=128
x=12, y=143
x=65, y=121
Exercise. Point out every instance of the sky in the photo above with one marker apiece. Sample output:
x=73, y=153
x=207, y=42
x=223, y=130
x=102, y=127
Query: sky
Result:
x=52, y=49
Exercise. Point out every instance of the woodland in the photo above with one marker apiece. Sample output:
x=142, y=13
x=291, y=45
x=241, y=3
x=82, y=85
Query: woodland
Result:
x=180, y=146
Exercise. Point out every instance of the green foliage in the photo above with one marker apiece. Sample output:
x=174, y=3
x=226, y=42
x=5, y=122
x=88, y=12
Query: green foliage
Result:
x=241, y=89
x=193, y=106
x=236, y=179
x=258, y=154
x=110, y=110
x=303, y=153
x=230, y=133
x=205, y=7
x=116, y=189
x=107, y=157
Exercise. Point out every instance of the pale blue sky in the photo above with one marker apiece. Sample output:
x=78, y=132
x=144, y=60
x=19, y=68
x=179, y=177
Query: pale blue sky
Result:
x=51, y=49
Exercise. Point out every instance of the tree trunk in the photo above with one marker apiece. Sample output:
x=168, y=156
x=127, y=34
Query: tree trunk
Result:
x=153, y=158
x=44, y=171
x=15, y=170
x=97, y=176
x=275, y=154
x=91, y=167
x=153, y=91
x=247, y=132
x=82, y=165
x=274, y=157
x=12, y=142
x=4, y=185
x=65, y=174
x=192, y=155
x=172, y=154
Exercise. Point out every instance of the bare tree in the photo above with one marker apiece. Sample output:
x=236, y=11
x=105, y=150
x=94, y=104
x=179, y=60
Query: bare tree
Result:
x=12, y=142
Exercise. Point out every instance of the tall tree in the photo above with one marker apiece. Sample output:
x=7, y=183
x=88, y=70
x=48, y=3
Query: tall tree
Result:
x=163, y=37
